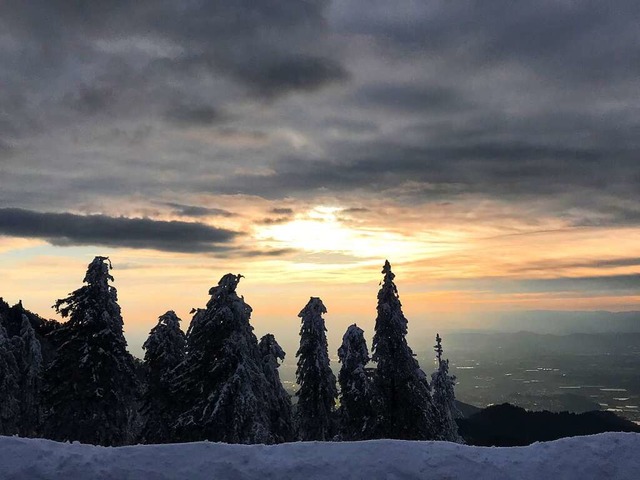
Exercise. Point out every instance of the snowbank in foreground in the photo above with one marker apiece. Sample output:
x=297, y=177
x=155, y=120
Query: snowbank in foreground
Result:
x=609, y=455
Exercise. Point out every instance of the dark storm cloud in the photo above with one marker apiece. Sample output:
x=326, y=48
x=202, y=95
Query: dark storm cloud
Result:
x=67, y=229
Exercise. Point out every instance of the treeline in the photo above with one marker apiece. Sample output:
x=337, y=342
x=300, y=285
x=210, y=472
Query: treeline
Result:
x=77, y=381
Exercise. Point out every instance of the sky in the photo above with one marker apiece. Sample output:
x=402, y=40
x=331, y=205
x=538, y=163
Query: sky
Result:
x=489, y=150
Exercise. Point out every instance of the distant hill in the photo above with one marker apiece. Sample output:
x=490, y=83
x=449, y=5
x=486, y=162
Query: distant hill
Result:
x=465, y=410
x=562, y=323
x=507, y=425
x=560, y=402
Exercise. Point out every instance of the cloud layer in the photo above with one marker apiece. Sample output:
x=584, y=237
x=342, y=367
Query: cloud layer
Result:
x=417, y=104
x=67, y=229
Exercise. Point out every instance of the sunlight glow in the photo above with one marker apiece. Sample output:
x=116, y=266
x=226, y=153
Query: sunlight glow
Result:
x=321, y=230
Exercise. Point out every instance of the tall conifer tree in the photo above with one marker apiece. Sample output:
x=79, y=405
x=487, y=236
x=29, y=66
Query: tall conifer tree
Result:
x=221, y=384
x=282, y=418
x=9, y=386
x=91, y=384
x=30, y=365
x=443, y=386
x=164, y=351
x=356, y=391
x=406, y=410
x=317, y=393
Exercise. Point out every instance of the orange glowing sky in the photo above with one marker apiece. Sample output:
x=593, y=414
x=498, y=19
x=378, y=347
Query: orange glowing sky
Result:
x=447, y=273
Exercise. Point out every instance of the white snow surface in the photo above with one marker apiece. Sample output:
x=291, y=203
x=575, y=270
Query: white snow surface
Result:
x=604, y=456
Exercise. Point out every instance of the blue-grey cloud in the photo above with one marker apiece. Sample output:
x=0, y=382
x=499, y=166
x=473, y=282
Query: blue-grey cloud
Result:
x=610, y=214
x=575, y=41
x=627, y=282
x=5, y=148
x=410, y=98
x=300, y=72
x=190, y=115
x=502, y=170
x=623, y=284
x=67, y=229
x=558, y=265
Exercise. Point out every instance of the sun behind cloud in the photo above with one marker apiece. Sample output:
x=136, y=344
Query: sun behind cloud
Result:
x=321, y=230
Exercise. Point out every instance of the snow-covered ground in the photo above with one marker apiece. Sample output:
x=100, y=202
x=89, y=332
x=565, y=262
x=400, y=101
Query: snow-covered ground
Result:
x=604, y=456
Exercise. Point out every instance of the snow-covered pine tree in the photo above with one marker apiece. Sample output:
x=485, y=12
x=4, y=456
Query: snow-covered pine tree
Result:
x=281, y=416
x=164, y=351
x=29, y=358
x=405, y=406
x=90, y=386
x=317, y=393
x=9, y=386
x=223, y=392
x=12, y=319
x=356, y=390
x=444, y=398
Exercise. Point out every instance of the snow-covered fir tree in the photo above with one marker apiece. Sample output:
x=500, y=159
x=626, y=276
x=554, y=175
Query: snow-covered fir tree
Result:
x=356, y=390
x=25, y=344
x=317, y=392
x=443, y=386
x=29, y=359
x=9, y=386
x=90, y=385
x=164, y=351
x=12, y=319
x=221, y=384
x=405, y=407
x=282, y=419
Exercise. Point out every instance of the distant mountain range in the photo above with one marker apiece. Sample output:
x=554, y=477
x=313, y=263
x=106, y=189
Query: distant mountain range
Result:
x=522, y=343
x=562, y=322
x=507, y=425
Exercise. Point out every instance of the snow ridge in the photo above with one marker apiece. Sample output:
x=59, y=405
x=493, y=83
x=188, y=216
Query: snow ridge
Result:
x=607, y=455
